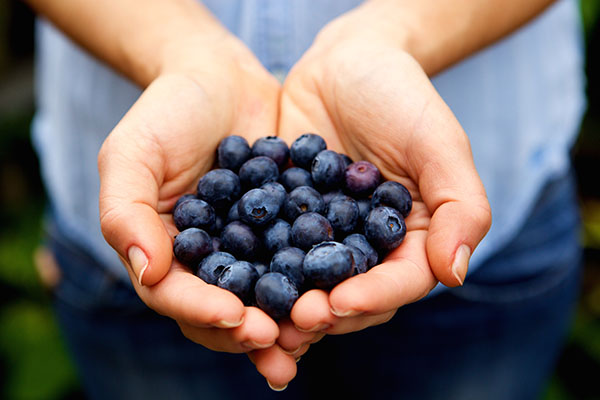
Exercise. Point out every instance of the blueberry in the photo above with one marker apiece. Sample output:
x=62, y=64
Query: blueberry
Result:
x=213, y=265
x=328, y=264
x=239, y=278
x=219, y=224
x=275, y=294
x=216, y=244
x=327, y=170
x=194, y=213
x=277, y=190
x=310, y=229
x=305, y=148
x=343, y=214
x=261, y=268
x=328, y=196
x=288, y=261
x=183, y=198
x=385, y=228
x=360, y=260
x=293, y=177
x=220, y=188
x=239, y=239
x=191, y=246
x=233, y=214
x=272, y=147
x=361, y=178
x=364, y=206
x=232, y=152
x=301, y=200
x=277, y=235
x=360, y=242
x=347, y=160
x=257, y=171
x=392, y=194
x=257, y=207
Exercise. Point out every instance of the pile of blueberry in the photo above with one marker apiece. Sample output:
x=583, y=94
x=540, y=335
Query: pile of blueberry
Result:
x=272, y=222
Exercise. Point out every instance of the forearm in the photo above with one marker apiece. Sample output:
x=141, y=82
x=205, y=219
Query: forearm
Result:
x=135, y=37
x=441, y=33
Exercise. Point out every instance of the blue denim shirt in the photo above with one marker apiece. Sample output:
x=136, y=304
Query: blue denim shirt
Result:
x=520, y=102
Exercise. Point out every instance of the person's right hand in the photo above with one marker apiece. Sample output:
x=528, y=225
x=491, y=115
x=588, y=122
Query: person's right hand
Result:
x=210, y=87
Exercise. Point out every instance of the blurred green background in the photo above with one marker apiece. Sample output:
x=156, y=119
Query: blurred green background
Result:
x=33, y=360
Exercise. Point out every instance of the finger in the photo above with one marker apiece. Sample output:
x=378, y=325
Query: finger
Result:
x=188, y=299
x=291, y=340
x=258, y=331
x=275, y=365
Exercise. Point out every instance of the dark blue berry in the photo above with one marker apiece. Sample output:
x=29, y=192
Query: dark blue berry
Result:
x=327, y=197
x=293, y=177
x=261, y=268
x=360, y=260
x=364, y=206
x=220, y=188
x=183, y=198
x=392, y=194
x=343, y=214
x=385, y=228
x=327, y=170
x=194, y=213
x=277, y=235
x=257, y=207
x=275, y=295
x=310, y=229
x=360, y=242
x=288, y=261
x=274, y=148
x=213, y=265
x=301, y=200
x=347, y=160
x=257, y=171
x=239, y=278
x=216, y=243
x=361, y=178
x=239, y=239
x=305, y=148
x=328, y=264
x=277, y=190
x=191, y=246
x=233, y=214
x=232, y=152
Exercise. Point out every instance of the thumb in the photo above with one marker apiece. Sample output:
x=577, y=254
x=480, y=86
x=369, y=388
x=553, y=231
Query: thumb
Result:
x=128, y=212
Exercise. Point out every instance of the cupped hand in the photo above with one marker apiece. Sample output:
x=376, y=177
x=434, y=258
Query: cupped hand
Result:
x=370, y=99
x=158, y=151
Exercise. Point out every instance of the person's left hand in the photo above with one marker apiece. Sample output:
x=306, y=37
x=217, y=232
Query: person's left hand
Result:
x=370, y=99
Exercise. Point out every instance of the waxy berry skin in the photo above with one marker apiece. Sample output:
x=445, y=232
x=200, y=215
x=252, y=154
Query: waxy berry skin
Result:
x=213, y=265
x=327, y=170
x=220, y=188
x=361, y=178
x=328, y=264
x=277, y=235
x=360, y=260
x=288, y=261
x=302, y=200
x=257, y=207
x=191, y=246
x=183, y=198
x=360, y=241
x=238, y=239
x=239, y=278
x=233, y=151
x=305, y=148
x=257, y=171
x=274, y=148
x=392, y=194
x=343, y=214
x=385, y=228
x=277, y=190
x=275, y=294
x=293, y=177
x=194, y=213
x=310, y=229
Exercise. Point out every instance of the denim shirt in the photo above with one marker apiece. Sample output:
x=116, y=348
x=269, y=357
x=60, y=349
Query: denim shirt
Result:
x=520, y=102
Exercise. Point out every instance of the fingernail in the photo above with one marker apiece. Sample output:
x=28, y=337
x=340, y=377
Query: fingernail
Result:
x=316, y=328
x=292, y=352
x=228, y=324
x=138, y=262
x=461, y=263
x=343, y=314
x=298, y=359
x=276, y=388
x=251, y=344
